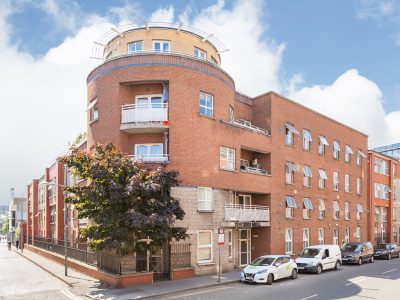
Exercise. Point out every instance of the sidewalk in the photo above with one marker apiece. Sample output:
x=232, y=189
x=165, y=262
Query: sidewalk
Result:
x=82, y=285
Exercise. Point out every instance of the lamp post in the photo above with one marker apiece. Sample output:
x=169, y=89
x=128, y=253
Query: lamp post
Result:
x=65, y=218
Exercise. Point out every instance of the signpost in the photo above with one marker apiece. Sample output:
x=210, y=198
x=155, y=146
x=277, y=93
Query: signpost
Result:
x=221, y=240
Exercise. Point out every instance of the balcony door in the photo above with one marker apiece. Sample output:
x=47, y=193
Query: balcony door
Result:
x=244, y=200
x=244, y=247
x=148, y=108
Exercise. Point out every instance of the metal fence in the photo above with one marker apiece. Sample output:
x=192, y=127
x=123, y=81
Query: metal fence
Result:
x=78, y=251
x=180, y=255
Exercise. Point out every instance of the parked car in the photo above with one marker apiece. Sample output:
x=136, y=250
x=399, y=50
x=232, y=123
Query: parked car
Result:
x=386, y=250
x=318, y=258
x=266, y=269
x=358, y=252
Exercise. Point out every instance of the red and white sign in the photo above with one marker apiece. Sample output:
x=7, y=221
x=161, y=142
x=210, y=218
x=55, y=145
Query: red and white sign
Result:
x=221, y=236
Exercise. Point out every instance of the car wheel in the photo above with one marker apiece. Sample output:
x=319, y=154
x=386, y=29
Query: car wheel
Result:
x=270, y=278
x=338, y=265
x=294, y=274
x=371, y=260
x=360, y=261
x=319, y=269
x=389, y=256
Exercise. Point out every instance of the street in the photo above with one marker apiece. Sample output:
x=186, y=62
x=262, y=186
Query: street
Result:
x=20, y=279
x=379, y=280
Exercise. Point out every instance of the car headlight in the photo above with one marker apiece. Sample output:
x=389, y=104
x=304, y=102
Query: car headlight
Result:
x=262, y=272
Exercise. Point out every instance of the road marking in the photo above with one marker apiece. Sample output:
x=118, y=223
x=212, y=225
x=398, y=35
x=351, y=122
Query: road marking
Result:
x=312, y=296
x=69, y=295
x=389, y=271
x=354, y=282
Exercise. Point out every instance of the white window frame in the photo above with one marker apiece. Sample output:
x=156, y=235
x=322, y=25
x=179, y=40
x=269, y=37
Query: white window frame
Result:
x=205, y=204
x=321, y=209
x=307, y=138
x=209, y=111
x=290, y=206
x=359, y=159
x=149, y=157
x=205, y=246
x=322, y=145
x=322, y=179
x=336, y=210
x=230, y=244
x=93, y=111
x=336, y=150
x=289, y=241
x=347, y=210
x=359, y=210
x=335, y=178
x=348, y=153
x=290, y=168
x=321, y=236
x=359, y=186
x=229, y=161
x=135, y=43
x=347, y=183
x=335, y=236
x=199, y=53
x=307, y=206
x=306, y=237
x=347, y=235
x=162, y=43
x=307, y=176
x=358, y=234
x=290, y=130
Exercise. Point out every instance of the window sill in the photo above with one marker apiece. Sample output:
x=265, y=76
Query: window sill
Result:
x=322, y=219
x=290, y=145
x=322, y=154
x=94, y=121
x=320, y=188
x=289, y=183
x=307, y=150
x=206, y=263
x=228, y=170
x=205, y=210
x=208, y=117
x=289, y=218
x=306, y=218
x=347, y=219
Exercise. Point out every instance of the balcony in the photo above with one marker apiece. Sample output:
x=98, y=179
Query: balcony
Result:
x=254, y=162
x=144, y=118
x=247, y=215
x=150, y=158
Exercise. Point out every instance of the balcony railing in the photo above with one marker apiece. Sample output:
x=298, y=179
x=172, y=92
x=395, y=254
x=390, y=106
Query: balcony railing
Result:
x=246, y=213
x=253, y=170
x=152, y=158
x=144, y=113
x=248, y=125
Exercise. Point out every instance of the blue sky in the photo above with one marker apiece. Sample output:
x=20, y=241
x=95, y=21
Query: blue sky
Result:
x=339, y=57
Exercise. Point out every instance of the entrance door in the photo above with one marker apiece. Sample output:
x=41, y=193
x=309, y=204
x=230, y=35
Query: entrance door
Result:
x=244, y=247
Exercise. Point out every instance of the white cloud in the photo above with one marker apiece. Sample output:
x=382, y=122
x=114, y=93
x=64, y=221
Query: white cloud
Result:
x=375, y=9
x=163, y=15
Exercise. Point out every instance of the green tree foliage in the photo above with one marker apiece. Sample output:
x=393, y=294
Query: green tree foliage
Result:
x=125, y=200
x=5, y=228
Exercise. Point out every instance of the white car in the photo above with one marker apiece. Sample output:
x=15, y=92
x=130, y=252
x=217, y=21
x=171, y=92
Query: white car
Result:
x=319, y=257
x=268, y=268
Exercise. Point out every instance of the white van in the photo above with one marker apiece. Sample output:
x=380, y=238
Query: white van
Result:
x=318, y=258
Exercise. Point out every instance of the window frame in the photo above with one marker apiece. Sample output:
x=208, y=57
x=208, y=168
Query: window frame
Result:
x=200, y=51
x=229, y=158
x=149, y=155
x=162, y=42
x=205, y=246
x=336, y=210
x=359, y=185
x=335, y=236
x=335, y=179
x=290, y=169
x=307, y=179
x=208, y=192
x=288, y=242
x=347, y=210
x=336, y=150
x=207, y=98
x=306, y=141
x=347, y=183
x=321, y=237
x=306, y=237
x=135, y=43
x=230, y=244
x=321, y=179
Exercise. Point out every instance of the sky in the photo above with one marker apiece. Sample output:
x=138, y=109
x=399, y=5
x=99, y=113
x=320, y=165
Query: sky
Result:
x=339, y=57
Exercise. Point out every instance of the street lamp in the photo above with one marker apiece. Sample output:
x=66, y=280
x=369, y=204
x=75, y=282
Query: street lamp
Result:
x=65, y=218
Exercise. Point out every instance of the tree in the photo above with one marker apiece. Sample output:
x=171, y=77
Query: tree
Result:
x=124, y=200
x=5, y=228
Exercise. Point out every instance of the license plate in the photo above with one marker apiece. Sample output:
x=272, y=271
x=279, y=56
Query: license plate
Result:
x=300, y=268
x=249, y=278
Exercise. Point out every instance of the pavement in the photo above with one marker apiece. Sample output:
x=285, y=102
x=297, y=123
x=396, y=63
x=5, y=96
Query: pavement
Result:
x=86, y=287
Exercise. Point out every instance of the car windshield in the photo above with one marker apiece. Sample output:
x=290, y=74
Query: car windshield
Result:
x=352, y=247
x=310, y=252
x=382, y=246
x=263, y=261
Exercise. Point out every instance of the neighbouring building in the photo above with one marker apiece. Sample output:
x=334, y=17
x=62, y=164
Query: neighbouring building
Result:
x=277, y=176
x=17, y=217
x=392, y=150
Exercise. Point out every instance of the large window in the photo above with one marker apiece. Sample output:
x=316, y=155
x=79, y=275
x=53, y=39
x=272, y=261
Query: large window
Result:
x=360, y=210
x=289, y=241
x=359, y=186
x=149, y=152
x=321, y=236
x=290, y=168
x=135, y=47
x=306, y=139
x=204, y=199
x=335, y=181
x=358, y=234
x=200, y=54
x=206, y=104
x=347, y=235
x=336, y=210
x=161, y=46
x=347, y=183
x=306, y=237
x=347, y=210
x=290, y=206
x=347, y=154
x=323, y=143
x=360, y=156
x=335, y=236
x=204, y=246
x=322, y=179
x=321, y=209
x=307, y=176
x=381, y=166
x=382, y=191
x=307, y=207
x=336, y=150
x=227, y=158
x=289, y=134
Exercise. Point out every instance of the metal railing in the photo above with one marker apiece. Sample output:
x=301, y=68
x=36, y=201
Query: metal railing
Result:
x=151, y=157
x=253, y=170
x=246, y=213
x=142, y=113
x=247, y=125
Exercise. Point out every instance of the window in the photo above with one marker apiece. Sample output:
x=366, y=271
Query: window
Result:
x=200, y=54
x=307, y=176
x=347, y=235
x=321, y=209
x=93, y=111
x=227, y=158
x=347, y=210
x=336, y=149
x=53, y=214
x=335, y=236
x=358, y=234
x=161, y=46
x=204, y=246
x=306, y=139
x=290, y=206
x=321, y=236
x=359, y=186
x=307, y=206
x=290, y=131
x=204, y=199
x=149, y=152
x=290, y=168
x=146, y=102
x=135, y=47
x=230, y=249
x=347, y=183
x=206, y=104
x=322, y=144
x=289, y=241
x=306, y=237
x=382, y=191
x=336, y=210
x=322, y=179
x=347, y=154
x=335, y=181
x=360, y=210
x=360, y=156
x=386, y=190
x=381, y=166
